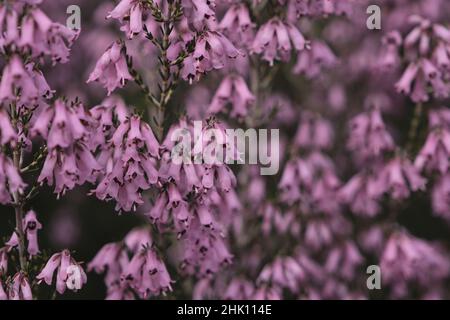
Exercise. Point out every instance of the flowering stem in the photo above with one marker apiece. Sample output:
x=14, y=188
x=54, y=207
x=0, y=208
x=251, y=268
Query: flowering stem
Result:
x=165, y=86
x=18, y=206
x=415, y=122
x=18, y=199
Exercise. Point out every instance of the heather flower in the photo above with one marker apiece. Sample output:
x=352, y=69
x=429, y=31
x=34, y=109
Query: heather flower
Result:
x=130, y=164
x=233, y=90
x=16, y=77
x=440, y=197
x=69, y=162
x=237, y=24
x=407, y=258
x=44, y=37
x=398, y=178
x=239, y=289
x=435, y=153
x=357, y=194
x=31, y=227
x=212, y=51
x=314, y=132
x=202, y=248
x=275, y=40
x=369, y=136
x=417, y=76
x=20, y=288
x=284, y=272
x=427, y=64
x=66, y=269
x=106, y=258
x=264, y=293
x=318, y=234
x=390, y=57
x=130, y=13
x=7, y=133
x=343, y=260
x=147, y=274
x=282, y=223
x=105, y=116
x=10, y=180
x=111, y=69
x=199, y=12
x=312, y=62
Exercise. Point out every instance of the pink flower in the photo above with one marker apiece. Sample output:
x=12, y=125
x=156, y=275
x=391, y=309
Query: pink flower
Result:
x=390, y=57
x=130, y=157
x=111, y=69
x=7, y=133
x=368, y=135
x=20, y=288
x=312, y=62
x=212, y=51
x=276, y=39
x=284, y=272
x=440, y=197
x=233, y=90
x=408, y=259
x=435, y=153
x=199, y=12
x=16, y=76
x=105, y=258
x=147, y=274
x=69, y=162
x=314, y=132
x=130, y=14
x=68, y=270
x=237, y=25
x=344, y=260
x=399, y=177
x=357, y=193
x=44, y=37
x=10, y=180
x=31, y=227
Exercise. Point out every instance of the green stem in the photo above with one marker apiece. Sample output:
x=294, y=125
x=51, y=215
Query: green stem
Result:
x=414, y=126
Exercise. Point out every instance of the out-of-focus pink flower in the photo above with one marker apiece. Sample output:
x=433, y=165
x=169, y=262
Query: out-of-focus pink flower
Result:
x=10, y=180
x=275, y=40
x=237, y=25
x=368, y=135
x=233, y=90
x=312, y=62
x=398, y=177
x=440, y=197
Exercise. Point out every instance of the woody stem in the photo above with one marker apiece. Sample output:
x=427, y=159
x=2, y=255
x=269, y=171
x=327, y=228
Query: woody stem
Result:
x=18, y=200
x=414, y=126
x=165, y=74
